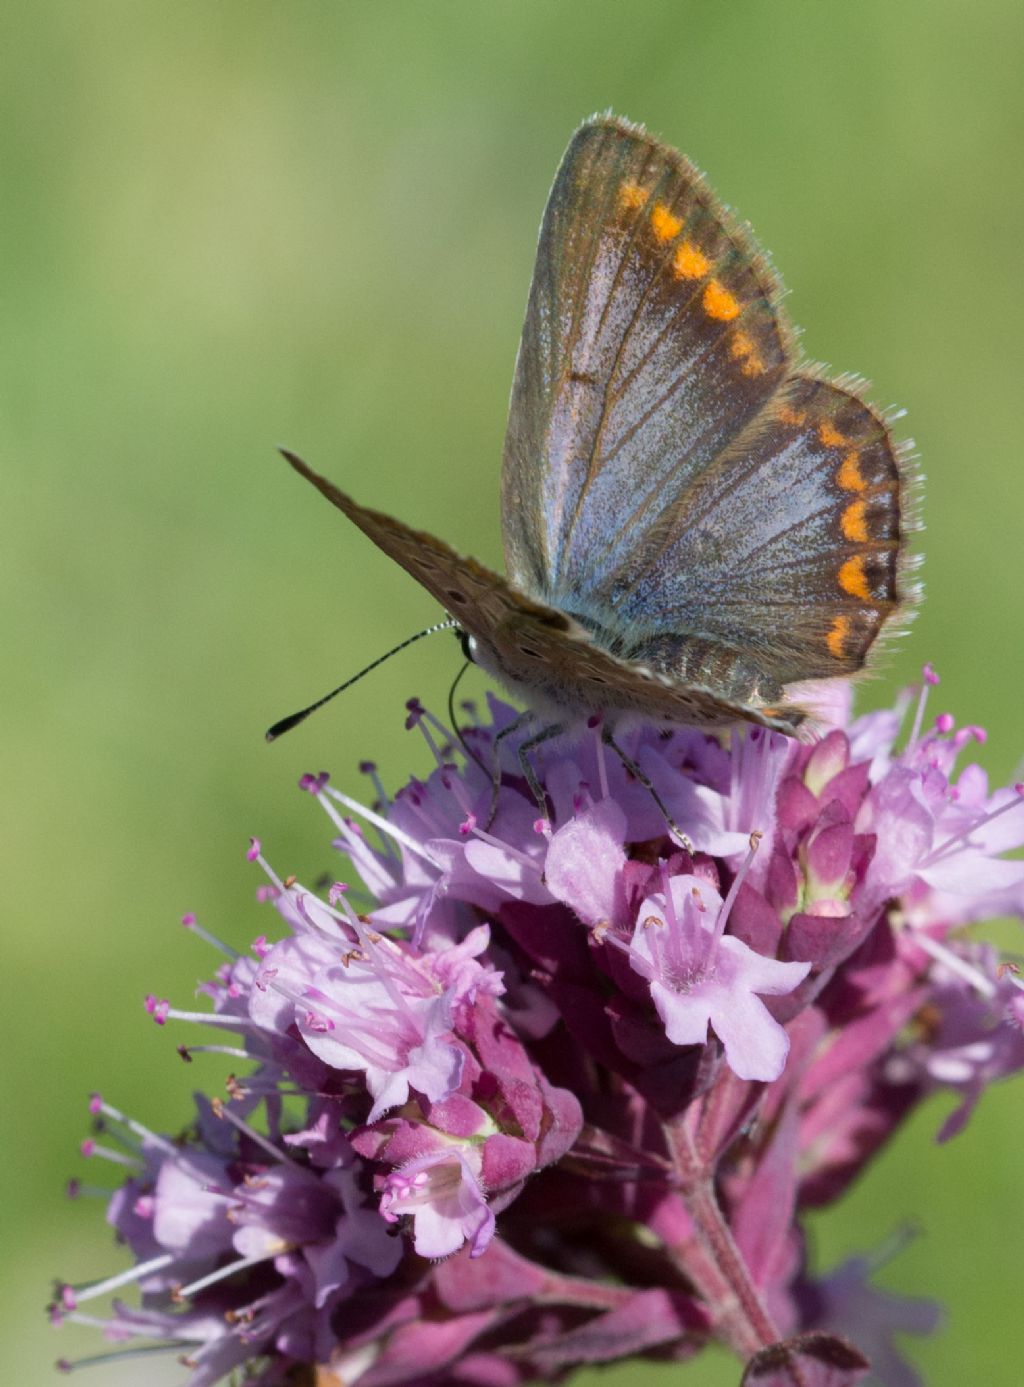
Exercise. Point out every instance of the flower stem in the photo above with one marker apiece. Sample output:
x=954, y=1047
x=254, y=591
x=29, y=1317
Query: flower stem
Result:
x=718, y=1269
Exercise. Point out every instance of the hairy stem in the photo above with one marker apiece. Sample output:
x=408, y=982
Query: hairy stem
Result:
x=715, y=1263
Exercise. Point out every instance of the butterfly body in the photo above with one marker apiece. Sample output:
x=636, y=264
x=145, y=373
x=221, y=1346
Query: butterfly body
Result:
x=692, y=521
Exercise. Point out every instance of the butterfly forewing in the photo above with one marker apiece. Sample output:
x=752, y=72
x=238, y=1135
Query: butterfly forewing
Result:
x=479, y=600
x=650, y=341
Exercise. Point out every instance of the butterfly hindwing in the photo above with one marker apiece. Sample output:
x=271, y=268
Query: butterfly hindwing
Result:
x=787, y=548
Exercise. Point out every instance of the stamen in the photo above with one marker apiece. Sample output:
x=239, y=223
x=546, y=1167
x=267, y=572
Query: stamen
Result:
x=97, y=1104
x=445, y=733
x=206, y=1018
x=89, y=1148
x=115, y=1356
x=385, y=826
x=222, y=1273
x=954, y=845
x=231, y=1051
x=970, y=974
x=281, y=1157
x=81, y=1294
x=255, y=854
x=928, y=680
x=384, y=803
x=522, y=857
x=191, y=923
x=734, y=889
x=75, y=1189
x=595, y=723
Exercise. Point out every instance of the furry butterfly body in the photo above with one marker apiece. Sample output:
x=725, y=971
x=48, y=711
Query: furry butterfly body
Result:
x=692, y=522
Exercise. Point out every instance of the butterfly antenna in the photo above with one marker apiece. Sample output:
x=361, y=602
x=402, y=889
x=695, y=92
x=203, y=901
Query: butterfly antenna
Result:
x=293, y=719
x=470, y=753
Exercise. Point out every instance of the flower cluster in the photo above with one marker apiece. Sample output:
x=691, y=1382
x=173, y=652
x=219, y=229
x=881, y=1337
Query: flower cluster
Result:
x=553, y=1084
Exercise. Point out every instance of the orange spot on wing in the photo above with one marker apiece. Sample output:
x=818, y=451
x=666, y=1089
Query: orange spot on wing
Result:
x=719, y=303
x=854, y=522
x=852, y=578
x=831, y=437
x=836, y=638
x=744, y=349
x=664, y=224
x=689, y=262
x=632, y=195
x=849, y=475
x=794, y=417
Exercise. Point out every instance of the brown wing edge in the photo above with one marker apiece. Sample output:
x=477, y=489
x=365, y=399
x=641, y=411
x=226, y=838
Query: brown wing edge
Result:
x=906, y=461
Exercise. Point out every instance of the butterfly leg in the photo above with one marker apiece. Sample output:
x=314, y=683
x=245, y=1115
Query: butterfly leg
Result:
x=536, y=788
x=516, y=725
x=645, y=780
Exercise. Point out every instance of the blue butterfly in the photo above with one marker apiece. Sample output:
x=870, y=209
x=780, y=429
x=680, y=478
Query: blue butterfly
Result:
x=692, y=520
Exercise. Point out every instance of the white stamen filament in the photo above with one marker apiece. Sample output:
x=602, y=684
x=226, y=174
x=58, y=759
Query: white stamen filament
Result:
x=410, y=844
x=186, y=1292
x=962, y=840
x=970, y=974
x=123, y=1278
x=143, y=1133
x=734, y=889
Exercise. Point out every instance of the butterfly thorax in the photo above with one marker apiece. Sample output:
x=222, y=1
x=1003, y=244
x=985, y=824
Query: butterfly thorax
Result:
x=567, y=667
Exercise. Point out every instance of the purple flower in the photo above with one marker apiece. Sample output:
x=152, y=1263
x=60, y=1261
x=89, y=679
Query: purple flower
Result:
x=262, y=1245
x=440, y=1191
x=562, y=1085
x=846, y=1302
x=700, y=976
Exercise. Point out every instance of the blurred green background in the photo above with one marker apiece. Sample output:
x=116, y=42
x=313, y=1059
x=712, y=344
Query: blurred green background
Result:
x=232, y=225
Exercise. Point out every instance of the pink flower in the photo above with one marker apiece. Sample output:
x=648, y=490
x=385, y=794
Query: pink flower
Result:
x=441, y=1193
x=700, y=977
x=479, y=1127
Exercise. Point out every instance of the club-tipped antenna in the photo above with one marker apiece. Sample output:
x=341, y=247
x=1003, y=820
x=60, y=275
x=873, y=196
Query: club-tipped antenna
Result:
x=293, y=719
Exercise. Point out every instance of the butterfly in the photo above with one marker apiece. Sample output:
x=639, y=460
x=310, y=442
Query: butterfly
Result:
x=693, y=520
